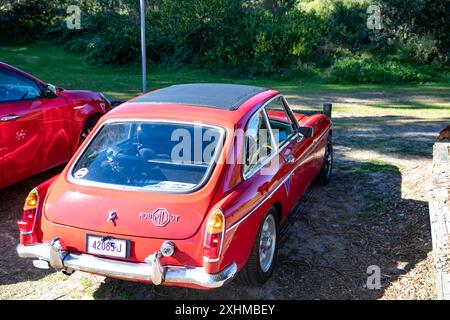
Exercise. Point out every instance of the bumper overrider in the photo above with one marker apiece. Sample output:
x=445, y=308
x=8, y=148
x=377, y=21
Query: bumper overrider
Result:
x=54, y=255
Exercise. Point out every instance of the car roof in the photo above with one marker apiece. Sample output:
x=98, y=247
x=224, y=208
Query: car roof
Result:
x=188, y=113
x=212, y=95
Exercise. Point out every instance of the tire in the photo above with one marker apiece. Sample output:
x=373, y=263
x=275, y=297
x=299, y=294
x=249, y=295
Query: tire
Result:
x=88, y=126
x=256, y=272
x=327, y=167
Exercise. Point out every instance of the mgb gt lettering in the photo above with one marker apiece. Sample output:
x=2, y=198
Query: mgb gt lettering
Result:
x=159, y=217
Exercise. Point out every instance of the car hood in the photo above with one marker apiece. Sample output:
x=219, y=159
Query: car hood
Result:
x=139, y=214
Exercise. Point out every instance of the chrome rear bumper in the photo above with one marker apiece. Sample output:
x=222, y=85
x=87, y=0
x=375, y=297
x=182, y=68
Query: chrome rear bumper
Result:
x=55, y=256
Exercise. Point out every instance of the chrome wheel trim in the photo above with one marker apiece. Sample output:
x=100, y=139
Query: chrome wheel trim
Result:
x=267, y=243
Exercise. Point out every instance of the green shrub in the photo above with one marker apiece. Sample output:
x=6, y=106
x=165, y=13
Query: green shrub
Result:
x=280, y=39
x=112, y=47
x=25, y=20
x=366, y=69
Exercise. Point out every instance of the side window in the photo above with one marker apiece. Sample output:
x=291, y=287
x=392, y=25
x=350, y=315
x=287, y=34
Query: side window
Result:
x=280, y=122
x=258, y=142
x=15, y=87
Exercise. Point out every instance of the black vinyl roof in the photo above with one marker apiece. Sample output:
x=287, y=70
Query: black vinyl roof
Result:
x=214, y=95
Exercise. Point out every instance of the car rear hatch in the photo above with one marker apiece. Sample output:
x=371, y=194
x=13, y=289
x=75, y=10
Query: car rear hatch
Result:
x=139, y=214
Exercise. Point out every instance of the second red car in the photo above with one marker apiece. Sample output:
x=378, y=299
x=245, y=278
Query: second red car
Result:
x=41, y=125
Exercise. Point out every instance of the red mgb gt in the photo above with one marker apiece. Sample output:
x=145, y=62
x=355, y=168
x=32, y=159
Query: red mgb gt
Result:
x=183, y=186
x=41, y=125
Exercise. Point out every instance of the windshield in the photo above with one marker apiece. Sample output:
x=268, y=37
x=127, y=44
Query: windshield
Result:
x=155, y=156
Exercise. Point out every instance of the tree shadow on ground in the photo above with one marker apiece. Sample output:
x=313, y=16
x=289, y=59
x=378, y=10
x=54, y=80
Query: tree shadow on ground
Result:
x=395, y=136
x=359, y=219
x=336, y=233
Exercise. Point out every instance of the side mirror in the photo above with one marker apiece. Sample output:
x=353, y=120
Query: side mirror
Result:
x=307, y=132
x=51, y=91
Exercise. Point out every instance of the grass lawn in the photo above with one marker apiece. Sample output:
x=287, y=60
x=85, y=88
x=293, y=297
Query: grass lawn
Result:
x=54, y=65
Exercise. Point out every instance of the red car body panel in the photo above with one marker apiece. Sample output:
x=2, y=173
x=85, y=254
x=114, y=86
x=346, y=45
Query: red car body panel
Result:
x=72, y=211
x=46, y=132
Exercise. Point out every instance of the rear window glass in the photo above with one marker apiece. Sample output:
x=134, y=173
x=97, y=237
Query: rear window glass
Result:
x=149, y=155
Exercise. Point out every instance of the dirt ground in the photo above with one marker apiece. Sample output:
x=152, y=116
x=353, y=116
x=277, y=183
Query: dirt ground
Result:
x=373, y=213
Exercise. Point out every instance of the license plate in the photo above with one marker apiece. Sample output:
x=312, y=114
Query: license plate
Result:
x=110, y=247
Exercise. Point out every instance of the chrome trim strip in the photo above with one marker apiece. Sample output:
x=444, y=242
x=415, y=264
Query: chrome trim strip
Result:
x=302, y=159
x=201, y=184
x=258, y=166
x=127, y=270
x=290, y=112
x=272, y=136
x=187, y=164
x=293, y=120
x=276, y=147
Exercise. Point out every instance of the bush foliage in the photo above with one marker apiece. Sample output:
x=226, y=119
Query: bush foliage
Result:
x=311, y=39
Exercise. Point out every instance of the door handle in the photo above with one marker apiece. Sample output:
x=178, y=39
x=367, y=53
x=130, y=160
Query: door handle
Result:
x=290, y=159
x=9, y=118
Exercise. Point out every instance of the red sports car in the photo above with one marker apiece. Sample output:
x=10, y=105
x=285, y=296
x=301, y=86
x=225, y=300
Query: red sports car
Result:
x=182, y=186
x=41, y=125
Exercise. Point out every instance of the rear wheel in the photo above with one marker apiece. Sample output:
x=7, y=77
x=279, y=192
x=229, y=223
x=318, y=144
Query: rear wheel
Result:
x=263, y=256
x=88, y=126
x=327, y=167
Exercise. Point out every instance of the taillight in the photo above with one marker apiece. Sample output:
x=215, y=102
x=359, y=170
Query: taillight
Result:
x=26, y=224
x=215, y=229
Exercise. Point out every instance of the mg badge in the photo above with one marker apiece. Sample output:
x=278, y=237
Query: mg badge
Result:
x=160, y=217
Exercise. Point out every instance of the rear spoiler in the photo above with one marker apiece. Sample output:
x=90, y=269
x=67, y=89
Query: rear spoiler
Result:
x=326, y=110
